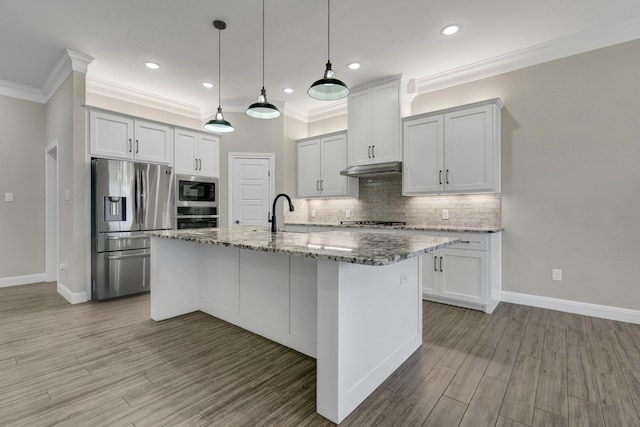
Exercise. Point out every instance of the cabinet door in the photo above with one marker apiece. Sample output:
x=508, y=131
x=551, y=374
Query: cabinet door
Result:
x=308, y=168
x=385, y=123
x=208, y=156
x=469, y=146
x=333, y=159
x=423, y=157
x=359, y=128
x=152, y=142
x=110, y=136
x=464, y=275
x=430, y=274
x=184, y=153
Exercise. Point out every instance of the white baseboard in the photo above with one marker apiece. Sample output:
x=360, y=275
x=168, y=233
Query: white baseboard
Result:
x=72, y=297
x=576, y=307
x=21, y=280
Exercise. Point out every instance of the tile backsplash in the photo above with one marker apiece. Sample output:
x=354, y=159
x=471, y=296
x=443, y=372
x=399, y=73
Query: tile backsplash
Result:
x=381, y=199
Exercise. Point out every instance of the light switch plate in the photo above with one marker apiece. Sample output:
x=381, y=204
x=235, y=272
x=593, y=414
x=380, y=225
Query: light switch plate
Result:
x=313, y=213
x=8, y=197
x=445, y=213
x=347, y=213
x=67, y=195
x=556, y=274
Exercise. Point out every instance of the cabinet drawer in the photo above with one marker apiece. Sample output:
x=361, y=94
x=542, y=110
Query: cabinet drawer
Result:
x=472, y=241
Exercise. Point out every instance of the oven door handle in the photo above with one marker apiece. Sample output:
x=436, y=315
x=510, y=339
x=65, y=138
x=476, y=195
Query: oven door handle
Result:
x=197, y=216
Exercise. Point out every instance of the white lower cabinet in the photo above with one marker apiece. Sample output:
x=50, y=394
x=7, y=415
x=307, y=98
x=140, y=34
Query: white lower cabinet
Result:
x=466, y=274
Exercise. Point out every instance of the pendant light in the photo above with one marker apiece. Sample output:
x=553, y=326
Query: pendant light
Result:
x=218, y=123
x=263, y=109
x=328, y=88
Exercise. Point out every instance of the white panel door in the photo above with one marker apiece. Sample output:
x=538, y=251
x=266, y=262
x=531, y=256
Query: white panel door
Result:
x=185, y=146
x=251, y=192
x=110, y=136
x=152, y=142
x=359, y=127
x=334, y=159
x=209, y=156
x=469, y=150
x=464, y=275
x=423, y=168
x=385, y=122
x=308, y=165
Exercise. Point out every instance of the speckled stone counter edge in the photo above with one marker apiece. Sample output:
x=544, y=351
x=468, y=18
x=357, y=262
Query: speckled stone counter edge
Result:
x=402, y=227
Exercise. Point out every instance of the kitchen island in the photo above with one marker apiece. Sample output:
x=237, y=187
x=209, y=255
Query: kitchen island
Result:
x=350, y=300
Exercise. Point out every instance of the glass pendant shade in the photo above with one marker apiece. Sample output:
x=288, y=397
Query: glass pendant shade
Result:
x=328, y=88
x=263, y=109
x=218, y=123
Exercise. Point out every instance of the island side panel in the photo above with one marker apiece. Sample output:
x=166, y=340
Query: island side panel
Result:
x=369, y=323
x=220, y=288
x=175, y=278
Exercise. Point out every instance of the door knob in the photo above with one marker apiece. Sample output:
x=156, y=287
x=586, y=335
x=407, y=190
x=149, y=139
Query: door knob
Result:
x=237, y=221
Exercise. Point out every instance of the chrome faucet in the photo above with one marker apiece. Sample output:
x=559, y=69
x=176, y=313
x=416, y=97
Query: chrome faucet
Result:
x=273, y=216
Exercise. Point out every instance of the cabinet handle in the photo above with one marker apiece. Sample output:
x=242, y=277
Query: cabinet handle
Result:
x=435, y=263
x=440, y=176
x=440, y=264
x=195, y=167
x=318, y=185
x=199, y=164
x=373, y=151
x=446, y=177
x=137, y=146
x=322, y=185
x=369, y=151
x=464, y=241
x=129, y=144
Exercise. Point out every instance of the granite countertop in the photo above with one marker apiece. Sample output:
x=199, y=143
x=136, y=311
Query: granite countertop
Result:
x=405, y=227
x=342, y=246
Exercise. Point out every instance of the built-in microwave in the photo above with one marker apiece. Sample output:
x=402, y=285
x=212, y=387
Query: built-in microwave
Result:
x=196, y=191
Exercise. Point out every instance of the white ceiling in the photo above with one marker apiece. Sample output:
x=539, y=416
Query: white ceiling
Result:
x=387, y=37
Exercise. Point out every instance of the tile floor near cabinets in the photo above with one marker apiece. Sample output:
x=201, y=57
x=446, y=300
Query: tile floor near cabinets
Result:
x=109, y=364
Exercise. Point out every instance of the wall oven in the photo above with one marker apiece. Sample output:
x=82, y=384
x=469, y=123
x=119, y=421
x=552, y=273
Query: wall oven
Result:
x=196, y=202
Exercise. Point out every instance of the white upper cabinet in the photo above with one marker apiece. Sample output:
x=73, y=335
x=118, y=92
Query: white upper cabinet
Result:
x=374, y=123
x=119, y=137
x=196, y=154
x=453, y=151
x=319, y=162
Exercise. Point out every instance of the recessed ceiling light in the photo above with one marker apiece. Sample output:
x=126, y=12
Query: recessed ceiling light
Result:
x=151, y=65
x=208, y=85
x=354, y=65
x=287, y=90
x=450, y=30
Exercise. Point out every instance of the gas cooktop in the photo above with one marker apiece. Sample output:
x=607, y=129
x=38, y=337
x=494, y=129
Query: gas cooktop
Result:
x=386, y=223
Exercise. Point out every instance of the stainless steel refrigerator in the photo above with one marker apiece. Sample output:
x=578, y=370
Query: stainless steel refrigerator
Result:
x=127, y=200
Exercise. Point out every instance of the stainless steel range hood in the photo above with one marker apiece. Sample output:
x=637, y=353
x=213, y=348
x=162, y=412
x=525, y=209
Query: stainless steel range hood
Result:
x=364, y=171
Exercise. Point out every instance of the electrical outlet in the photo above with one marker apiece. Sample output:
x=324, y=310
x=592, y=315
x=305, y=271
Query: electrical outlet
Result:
x=67, y=195
x=8, y=197
x=445, y=213
x=556, y=274
x=313, y=213
x=347, y=213
x=63, y=266
x=403, y=279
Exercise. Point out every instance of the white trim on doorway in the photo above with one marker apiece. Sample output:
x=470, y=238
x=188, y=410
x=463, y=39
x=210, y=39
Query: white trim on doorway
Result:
x=272, y=177
x=52, y=233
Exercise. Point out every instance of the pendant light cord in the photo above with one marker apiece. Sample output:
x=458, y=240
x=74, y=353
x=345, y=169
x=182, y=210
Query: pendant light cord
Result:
x=328, y=30
x=263, y=44
x=219, y=66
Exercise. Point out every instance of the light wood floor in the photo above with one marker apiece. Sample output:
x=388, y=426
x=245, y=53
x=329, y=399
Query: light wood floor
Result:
x=108, y=364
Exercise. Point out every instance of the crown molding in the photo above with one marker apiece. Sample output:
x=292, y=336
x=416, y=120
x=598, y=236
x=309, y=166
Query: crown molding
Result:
x=69, y=61
x=140, y=97
x=327, y=111
x=556, y=49
x=15, y=90
x=295, y=112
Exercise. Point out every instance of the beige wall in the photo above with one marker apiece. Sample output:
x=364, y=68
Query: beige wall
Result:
x=570, y=173
x=22, y=143
x=332, y=124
